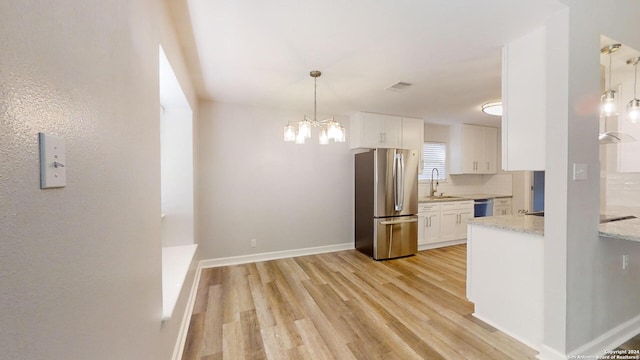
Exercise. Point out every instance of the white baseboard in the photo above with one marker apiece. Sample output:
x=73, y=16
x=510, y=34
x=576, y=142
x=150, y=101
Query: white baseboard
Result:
x=547, y=353
x=422, y=247
x=610, y=340
x=186, y=319
x=527, y=342
x=244, y=259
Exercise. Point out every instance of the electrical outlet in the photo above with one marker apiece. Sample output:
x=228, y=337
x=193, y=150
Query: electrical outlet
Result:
x=254, y=243
x=625, y=261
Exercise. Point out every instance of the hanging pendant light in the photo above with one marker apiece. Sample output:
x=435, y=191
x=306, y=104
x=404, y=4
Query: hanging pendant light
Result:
x=330, y=129
x=633, y=107
x=609, y=108
x=609, y=98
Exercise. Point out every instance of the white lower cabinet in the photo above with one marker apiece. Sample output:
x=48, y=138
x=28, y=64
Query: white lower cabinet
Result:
x=443, y=222
x=501, y=206
x=454, y=220
x=428, y=223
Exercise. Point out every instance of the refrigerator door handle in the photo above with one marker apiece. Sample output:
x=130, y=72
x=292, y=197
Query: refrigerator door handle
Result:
x=395, y=182
x=401, y=221
x=398, y=181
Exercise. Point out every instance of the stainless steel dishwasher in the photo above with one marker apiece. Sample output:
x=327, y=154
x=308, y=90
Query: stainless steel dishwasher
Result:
x=483, y=207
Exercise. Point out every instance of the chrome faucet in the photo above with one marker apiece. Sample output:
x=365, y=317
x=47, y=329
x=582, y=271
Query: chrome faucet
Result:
x=433, y=190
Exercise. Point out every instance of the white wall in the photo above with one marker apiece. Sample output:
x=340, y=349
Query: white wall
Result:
x=80, y=267
x=253, y=185
x=177, y=176
x=580, y=267
x=176, y=152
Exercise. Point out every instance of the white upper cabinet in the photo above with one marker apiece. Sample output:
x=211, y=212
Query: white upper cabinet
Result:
x=524, y=102
x=375, y=131
x=412, y=133
x=413, y=137
x=473, y=149
x=369, y=131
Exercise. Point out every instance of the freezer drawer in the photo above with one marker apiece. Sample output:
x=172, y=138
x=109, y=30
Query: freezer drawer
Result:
x=395, y=237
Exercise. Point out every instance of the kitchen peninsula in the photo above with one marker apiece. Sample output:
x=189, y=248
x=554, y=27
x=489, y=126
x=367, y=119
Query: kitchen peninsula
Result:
x=505, y=258
x=505, y=267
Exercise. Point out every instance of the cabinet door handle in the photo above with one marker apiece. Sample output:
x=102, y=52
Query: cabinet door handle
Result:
x=487, y=165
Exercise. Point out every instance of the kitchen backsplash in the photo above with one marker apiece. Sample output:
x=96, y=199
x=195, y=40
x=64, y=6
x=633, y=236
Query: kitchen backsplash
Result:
x=471, y=184
x=622, y=192
x=619, y=191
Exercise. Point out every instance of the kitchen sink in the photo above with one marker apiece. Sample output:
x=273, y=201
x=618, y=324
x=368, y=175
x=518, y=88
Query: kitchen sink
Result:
x=444, y=197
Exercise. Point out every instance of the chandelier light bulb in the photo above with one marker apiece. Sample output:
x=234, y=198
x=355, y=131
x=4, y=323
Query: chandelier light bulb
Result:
x=633, y=108
x=341, y=135
x=305, y=128
x=289, y=133
x=609, y=103
x=633, y=111
x=324, y=139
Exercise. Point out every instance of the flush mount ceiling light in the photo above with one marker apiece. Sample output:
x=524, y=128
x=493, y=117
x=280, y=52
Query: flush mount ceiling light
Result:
x=608, y=101
x=493, y=108
x=633, y=108
x=330, y=129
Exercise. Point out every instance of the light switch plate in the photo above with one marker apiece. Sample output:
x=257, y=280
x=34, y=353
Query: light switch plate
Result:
x=53, y=160
x=579, y=171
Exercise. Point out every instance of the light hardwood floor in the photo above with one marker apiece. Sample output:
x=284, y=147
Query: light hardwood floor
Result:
x=343, y=305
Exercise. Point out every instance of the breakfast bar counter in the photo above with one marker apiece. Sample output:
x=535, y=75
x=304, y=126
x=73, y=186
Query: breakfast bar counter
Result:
x=528, y=224
x=505, y=260
x=628, y=229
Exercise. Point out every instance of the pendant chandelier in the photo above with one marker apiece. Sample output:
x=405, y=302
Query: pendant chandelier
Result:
x=633, y=108
x=609, y=99
x=330, y=129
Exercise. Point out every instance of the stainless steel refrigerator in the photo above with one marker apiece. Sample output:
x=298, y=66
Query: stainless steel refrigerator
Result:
x=386, y=203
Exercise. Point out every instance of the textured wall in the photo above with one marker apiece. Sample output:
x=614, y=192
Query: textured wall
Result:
x=254, y=185
x=80, y=266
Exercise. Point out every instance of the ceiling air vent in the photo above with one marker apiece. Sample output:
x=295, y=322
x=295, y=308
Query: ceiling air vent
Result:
x=399, y=86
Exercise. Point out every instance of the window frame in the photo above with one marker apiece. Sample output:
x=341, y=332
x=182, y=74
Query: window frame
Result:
x=426, y=173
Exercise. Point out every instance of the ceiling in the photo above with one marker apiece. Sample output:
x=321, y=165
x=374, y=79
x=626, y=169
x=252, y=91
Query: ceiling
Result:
x=260, y=53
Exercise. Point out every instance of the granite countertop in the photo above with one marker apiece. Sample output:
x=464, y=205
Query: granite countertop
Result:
x=461, y=197
x=624, y=229
x=441, y=199
x=485, y=196
x=520, y=223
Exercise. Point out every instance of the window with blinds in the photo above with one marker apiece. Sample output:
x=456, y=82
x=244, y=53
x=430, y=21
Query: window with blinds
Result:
x=435, y=156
